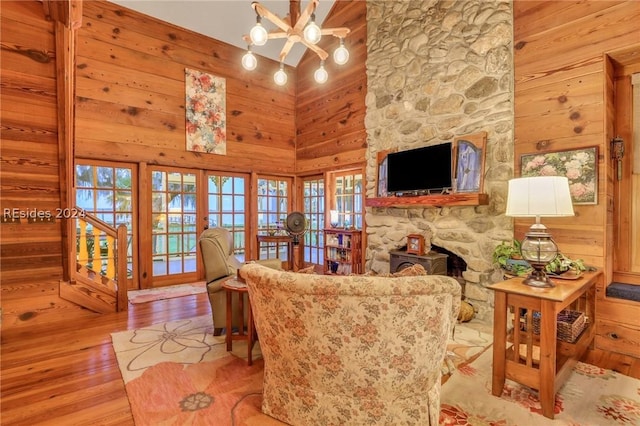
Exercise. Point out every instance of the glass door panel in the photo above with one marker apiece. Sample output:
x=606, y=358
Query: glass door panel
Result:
x=273, y=208
x=313, y=201
x=348, y=199
x=108, y=191
x=173, y=226
x=226, y=196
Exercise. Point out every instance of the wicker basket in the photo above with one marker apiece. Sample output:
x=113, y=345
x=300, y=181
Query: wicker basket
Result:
x=570, y=324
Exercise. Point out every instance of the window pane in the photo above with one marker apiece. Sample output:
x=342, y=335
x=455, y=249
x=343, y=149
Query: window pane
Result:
x=227, y=185
x=213, y=203
x=189, y=185
x=123, y=178
x=84, y=199
x=226, y=207
x=227, y=203
x=158, y=181
x=175, y=182
x=105, y=177
x=214, y=184
x=227, y=220
x=84, y=176
x=238, y=203
x=107, y=218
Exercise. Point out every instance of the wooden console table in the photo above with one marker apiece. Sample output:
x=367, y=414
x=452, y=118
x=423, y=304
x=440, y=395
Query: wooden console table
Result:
x=539, y=361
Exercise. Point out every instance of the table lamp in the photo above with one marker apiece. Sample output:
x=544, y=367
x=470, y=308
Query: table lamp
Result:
x=539, y=196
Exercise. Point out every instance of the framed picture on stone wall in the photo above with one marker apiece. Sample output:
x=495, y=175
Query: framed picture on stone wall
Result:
x=469, y=162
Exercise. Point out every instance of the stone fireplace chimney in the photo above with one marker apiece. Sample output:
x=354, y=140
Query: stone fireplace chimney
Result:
x=436, y=71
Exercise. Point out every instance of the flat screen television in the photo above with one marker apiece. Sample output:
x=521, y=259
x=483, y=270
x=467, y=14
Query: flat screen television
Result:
x=420, y=171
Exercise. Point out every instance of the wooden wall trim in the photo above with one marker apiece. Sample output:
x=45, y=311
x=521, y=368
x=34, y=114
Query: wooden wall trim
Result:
x=65, y=80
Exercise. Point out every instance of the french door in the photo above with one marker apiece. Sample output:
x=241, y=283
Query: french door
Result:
x=108, y=191
x=176, y=205
x=173, y=226
x=274, y=203
x=313, y=208
x=227, y=207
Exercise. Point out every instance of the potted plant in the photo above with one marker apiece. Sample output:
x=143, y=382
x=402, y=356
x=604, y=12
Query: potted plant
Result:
x=562, y=264
x=507, y=255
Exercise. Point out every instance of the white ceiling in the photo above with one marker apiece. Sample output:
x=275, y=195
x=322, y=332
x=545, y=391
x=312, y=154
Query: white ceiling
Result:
x=226, y=20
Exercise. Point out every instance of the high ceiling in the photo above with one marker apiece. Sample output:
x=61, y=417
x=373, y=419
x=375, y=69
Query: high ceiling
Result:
x=226, y=20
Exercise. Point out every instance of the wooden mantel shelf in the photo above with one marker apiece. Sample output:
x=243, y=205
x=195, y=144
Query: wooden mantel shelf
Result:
x=438, y=200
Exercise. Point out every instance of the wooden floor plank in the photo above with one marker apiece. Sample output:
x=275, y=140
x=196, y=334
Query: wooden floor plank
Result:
x=67, y=373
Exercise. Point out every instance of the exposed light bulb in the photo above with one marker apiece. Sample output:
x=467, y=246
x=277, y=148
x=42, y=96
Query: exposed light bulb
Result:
x=321, y=75
x=280, y=77
x=249, y=61
x=312, y=32
x=341, y=54
x=258, y=33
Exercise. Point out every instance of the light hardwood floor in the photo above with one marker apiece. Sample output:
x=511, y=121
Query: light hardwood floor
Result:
x=66, y=373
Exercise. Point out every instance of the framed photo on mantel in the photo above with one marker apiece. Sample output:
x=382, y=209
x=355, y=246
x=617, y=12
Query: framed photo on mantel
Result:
x=469, y=162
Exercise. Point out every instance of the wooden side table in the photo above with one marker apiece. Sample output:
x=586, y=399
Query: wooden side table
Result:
x=539, y=361
x=233, y=286
x=279, y=239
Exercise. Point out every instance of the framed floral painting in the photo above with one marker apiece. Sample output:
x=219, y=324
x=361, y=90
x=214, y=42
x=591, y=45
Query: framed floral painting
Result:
x=579, y=166
x=205, y=106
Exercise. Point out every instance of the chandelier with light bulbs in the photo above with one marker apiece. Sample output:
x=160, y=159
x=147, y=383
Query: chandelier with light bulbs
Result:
x=295, y=27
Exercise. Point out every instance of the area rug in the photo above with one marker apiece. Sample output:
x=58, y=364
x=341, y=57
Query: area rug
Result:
x=179, y=373
x=591, y=396
x=151, y=294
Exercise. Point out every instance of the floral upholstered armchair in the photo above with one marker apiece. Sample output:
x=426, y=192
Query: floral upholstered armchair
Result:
x=220, y=264
x=352, y=350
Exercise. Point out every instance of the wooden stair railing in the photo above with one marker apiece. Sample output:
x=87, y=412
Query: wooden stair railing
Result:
x=99, y=279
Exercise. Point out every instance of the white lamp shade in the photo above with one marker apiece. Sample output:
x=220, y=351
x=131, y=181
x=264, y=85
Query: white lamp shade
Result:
x=539, y=196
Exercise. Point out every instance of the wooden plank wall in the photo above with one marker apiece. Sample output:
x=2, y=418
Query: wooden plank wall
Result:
x=130, y=91
x=559, y=53
x=30, y=254
x=330, y=131
x=130, y=108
